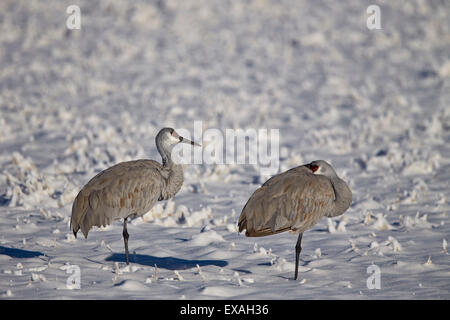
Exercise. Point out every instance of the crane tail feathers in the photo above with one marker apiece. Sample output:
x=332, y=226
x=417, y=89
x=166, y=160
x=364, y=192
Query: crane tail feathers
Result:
x=264, y=232
x=259, y=233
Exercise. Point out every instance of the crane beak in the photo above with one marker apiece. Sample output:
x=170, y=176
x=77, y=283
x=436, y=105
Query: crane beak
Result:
x=184, y=140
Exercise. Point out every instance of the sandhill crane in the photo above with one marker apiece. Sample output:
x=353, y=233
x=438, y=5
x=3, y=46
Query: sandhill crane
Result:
x=129, y=189
x=294, y=201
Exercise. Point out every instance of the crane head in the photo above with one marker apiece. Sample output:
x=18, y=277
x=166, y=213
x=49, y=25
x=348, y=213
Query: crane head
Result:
x=321, y=167
x=170, y=136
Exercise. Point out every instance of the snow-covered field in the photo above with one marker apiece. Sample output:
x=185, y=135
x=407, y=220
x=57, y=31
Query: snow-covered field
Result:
x=374, y=103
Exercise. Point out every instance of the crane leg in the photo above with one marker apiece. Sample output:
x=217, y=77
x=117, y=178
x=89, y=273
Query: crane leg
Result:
x=125, y=239
x=298, y=249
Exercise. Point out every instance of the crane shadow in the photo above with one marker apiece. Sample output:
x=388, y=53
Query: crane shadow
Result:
x=19, y=253
x=4, y=201
x=169, y=263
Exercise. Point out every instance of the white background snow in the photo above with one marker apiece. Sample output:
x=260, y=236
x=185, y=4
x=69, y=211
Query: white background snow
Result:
x=374, y=103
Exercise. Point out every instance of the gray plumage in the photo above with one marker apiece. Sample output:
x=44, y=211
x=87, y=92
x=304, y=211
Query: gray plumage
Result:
x=295, y=200
x=128, y=189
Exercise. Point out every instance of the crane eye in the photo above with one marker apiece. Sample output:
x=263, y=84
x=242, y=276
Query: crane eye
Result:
x=314, y=168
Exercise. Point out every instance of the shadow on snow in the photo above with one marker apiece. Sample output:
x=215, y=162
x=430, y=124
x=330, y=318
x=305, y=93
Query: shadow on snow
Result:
x=19, y=253
x=169, y=263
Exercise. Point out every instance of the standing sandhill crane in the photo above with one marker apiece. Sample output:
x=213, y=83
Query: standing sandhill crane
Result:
x=294, y=201
x=129, y=189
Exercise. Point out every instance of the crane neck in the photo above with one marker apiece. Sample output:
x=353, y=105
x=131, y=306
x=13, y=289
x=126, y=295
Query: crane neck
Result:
x=167, y=161
x=165, y=151
x=174, y=171
x=343, y=196
x=173, y=180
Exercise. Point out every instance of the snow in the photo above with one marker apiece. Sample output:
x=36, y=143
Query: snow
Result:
x=373, y=103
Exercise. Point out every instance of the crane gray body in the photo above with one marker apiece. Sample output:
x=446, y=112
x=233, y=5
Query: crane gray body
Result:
x=127, y=189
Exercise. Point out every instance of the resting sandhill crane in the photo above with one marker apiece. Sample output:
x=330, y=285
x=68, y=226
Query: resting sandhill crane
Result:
x=129, y=189
x=294, y=201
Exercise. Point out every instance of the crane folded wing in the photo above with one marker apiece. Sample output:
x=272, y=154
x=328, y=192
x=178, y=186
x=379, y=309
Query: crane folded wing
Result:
x=294, y=200
x=126, y=189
